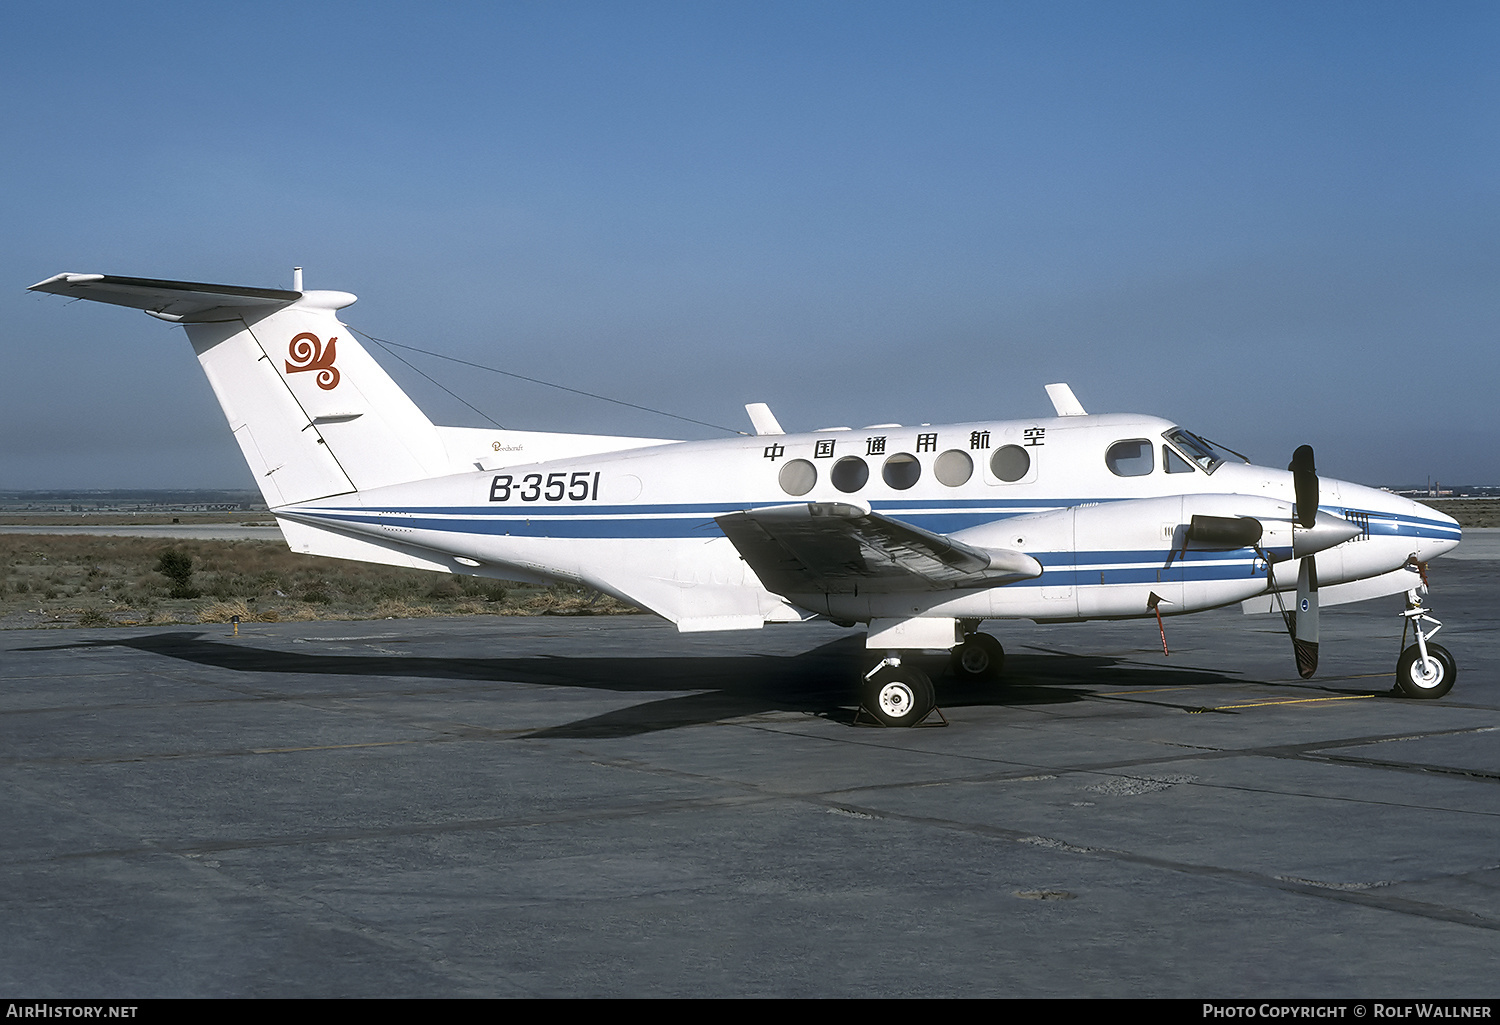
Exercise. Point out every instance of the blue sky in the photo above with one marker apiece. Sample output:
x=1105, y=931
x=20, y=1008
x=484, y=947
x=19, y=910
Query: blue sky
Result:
x=1273, y=223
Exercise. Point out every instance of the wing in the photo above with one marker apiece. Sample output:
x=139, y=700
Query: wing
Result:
x=840, y=548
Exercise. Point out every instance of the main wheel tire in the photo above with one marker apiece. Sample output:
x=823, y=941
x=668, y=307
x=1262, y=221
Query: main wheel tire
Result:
x=1430, y=679
x=979, y=658
x=899, y=695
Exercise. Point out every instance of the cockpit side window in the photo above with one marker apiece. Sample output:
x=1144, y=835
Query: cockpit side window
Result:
x=1206, y=454
x=1173, y=462
x=1131, y=458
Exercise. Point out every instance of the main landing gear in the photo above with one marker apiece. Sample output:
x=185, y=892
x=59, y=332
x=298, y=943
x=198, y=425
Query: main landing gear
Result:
x=898, y=693
x=980, y=658
x=1426, y=670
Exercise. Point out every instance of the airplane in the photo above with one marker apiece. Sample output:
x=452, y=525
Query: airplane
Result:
x=922, y=533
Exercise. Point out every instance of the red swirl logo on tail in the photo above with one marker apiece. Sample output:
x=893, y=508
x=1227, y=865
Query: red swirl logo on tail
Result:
x=311, y=354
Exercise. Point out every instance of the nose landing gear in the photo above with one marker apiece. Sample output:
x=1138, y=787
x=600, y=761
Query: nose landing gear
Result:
x=1425, y=670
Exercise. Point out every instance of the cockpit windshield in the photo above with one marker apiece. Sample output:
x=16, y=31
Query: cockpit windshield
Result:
x=1201, y=451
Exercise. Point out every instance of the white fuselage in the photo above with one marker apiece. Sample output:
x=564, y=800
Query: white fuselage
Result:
x=639, y=523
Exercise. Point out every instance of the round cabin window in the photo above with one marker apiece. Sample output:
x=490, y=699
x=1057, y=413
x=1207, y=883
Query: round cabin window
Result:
x=1010, y=463
x=798, y=477
x=849, y=474
x=901, y=471
x=954, y=467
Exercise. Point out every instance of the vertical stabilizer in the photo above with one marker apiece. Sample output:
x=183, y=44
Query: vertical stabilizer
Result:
x=287, y=455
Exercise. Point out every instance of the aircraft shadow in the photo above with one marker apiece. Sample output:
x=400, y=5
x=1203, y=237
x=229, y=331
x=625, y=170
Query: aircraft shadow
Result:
x=821, y=682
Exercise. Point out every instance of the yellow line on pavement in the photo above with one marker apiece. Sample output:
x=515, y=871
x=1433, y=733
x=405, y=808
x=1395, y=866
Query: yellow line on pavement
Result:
x=1298, y=701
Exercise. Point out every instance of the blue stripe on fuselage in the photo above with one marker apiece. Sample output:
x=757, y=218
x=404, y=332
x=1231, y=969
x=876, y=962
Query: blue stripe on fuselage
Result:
x=694, y=520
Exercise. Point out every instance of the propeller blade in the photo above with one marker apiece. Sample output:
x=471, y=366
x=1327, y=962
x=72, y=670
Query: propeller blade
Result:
x=1305, y=620
x=1305, y=483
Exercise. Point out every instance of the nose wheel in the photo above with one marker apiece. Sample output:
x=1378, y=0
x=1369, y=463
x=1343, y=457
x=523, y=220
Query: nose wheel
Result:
x=1426, y=676
x=1425, y=670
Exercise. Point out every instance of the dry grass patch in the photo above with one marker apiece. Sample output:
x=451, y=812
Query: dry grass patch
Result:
x=59, y=580
x=1469, y=512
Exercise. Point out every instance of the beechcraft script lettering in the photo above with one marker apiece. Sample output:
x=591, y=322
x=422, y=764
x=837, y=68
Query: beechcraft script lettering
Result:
x=311, y=354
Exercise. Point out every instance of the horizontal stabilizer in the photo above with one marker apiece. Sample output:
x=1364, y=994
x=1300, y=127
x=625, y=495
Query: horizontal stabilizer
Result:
x=841, y=548
x=172, y=300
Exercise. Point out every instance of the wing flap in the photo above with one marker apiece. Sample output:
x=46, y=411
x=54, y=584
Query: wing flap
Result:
x=841, y=548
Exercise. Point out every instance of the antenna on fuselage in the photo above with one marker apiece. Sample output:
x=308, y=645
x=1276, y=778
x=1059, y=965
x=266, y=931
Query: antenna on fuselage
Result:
x=1064, y=401
x=762, y=419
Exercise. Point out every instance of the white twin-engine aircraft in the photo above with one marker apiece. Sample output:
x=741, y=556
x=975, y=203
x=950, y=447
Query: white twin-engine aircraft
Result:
x=920, y=532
